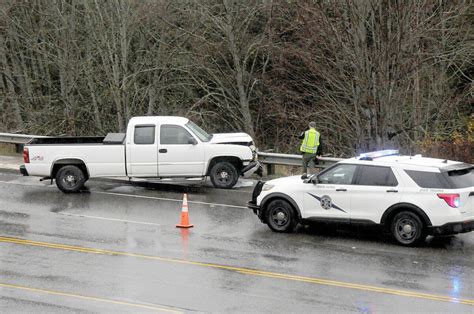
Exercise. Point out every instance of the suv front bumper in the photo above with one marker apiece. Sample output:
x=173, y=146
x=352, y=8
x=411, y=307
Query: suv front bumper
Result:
x=452, y=228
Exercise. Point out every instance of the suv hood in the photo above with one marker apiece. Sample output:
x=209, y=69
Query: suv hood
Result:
x=231, y=138
x=286, y=180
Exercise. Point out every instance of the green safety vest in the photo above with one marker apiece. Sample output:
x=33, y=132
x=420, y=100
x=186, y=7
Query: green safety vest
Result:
x=310, y=142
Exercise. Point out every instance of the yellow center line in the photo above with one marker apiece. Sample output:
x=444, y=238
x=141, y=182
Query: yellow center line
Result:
x=89, y=298
x=246, y=271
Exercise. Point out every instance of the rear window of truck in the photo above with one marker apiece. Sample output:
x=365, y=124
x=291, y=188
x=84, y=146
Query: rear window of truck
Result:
x=144, y=134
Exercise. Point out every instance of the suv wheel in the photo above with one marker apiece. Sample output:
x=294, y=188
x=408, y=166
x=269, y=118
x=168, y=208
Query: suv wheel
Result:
x=407, y=229
x=70, y=179
x=280, y=216
x=224, y=175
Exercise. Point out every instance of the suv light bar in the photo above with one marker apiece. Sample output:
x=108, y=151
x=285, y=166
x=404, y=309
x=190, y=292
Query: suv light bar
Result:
x=378, y=154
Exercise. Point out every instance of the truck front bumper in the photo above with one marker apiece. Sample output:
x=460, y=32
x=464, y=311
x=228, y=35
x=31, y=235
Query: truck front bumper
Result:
x=251, y=168
x=452, y=228
x=23, y=170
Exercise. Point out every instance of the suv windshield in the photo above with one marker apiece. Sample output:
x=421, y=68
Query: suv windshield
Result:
x=203, y=135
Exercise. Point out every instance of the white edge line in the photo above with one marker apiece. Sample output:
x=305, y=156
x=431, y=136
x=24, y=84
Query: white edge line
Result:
x=167, y=199
x=138, y=196
x=110, y=219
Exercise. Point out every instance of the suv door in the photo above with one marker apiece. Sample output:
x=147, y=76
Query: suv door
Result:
x=179, y=153
x=331, y=197
x=375, y=189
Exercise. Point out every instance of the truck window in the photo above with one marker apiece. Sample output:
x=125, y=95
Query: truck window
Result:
x=144, y=134
x=174, y=135
x=376, y=176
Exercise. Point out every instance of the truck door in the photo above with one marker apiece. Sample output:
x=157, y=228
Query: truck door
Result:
x=180, y=153
x=142, y=151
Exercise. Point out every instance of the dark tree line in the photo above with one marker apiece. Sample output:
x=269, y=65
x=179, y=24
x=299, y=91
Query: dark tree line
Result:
x=373, y=74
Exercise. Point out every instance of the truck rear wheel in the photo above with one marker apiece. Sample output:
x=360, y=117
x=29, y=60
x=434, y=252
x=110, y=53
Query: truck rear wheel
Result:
x=224, y=175
x=70, y=179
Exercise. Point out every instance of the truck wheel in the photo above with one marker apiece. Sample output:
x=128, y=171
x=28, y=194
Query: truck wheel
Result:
x=224, y=175
x=280, y=216
x=70, y=179
x=407, y=229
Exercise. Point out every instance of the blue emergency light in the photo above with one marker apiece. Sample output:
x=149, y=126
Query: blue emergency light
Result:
x=379, y=153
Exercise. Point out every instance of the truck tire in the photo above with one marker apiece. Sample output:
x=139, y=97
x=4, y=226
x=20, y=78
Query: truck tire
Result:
x=280, y=216
x=224, y=175
x=70, y=179
x=407, y=229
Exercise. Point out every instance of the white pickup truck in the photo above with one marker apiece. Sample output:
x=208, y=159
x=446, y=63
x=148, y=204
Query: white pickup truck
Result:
x=153, y=148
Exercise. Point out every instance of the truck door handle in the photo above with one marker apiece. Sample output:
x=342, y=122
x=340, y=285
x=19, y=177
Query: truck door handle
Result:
x=341, y=190
x=163, y=150
x=392, y=191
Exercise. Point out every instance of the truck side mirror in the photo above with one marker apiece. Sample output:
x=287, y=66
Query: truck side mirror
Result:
x=192, y=141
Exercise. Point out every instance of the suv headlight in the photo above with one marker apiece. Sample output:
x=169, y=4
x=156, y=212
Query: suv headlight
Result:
x=267, y=187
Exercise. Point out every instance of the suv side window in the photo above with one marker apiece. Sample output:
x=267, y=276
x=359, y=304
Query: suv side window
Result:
x=425, y=179
x=174, y=134
x=376, y=176
x=144, y=134
x=341, y=174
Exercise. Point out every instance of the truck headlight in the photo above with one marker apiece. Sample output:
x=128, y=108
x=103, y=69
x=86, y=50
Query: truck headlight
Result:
x=267, y=187
x=253, y=149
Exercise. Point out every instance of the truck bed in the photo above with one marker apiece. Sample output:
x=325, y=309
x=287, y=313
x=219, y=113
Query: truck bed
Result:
x=102, y=160
x=110, y=139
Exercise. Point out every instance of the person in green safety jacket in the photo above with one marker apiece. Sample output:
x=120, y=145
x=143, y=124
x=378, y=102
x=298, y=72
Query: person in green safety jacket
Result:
x=311, y=146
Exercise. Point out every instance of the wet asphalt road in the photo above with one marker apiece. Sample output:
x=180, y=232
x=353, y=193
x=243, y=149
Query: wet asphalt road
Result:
x=115, y=248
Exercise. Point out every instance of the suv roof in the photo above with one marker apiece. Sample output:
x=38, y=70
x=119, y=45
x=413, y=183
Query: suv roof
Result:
x=410, y=162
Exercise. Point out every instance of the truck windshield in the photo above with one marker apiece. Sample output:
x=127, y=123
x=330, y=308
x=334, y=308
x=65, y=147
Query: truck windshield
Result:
x=203, y=135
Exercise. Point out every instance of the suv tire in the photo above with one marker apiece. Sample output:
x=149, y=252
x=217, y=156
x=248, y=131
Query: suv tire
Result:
x=70, y=179
x=224, y=175
x=407, y=229
x=280, y=216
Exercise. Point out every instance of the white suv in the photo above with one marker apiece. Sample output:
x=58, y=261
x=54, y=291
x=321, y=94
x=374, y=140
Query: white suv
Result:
x=410, y=196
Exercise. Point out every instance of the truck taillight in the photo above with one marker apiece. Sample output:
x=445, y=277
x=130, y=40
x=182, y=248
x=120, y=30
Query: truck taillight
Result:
x=26, y=155
x=450, y=199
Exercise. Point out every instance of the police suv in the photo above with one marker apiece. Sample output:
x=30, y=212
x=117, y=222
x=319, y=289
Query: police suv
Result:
x=409, y=196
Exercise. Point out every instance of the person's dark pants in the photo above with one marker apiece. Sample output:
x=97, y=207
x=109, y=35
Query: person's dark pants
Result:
x=307, y=157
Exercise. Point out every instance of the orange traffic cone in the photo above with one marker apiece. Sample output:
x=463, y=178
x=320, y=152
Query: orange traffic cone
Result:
x=184, y=214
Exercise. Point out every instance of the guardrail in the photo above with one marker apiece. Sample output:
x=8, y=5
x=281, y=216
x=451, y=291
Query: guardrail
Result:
x=272, y=159
x=17, y=138
x=268, y=159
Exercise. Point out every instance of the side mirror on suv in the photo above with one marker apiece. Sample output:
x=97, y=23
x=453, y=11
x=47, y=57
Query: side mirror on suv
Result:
x=313, y=178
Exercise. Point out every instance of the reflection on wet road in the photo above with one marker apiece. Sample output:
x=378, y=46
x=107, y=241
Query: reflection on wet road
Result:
x=116, y=248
